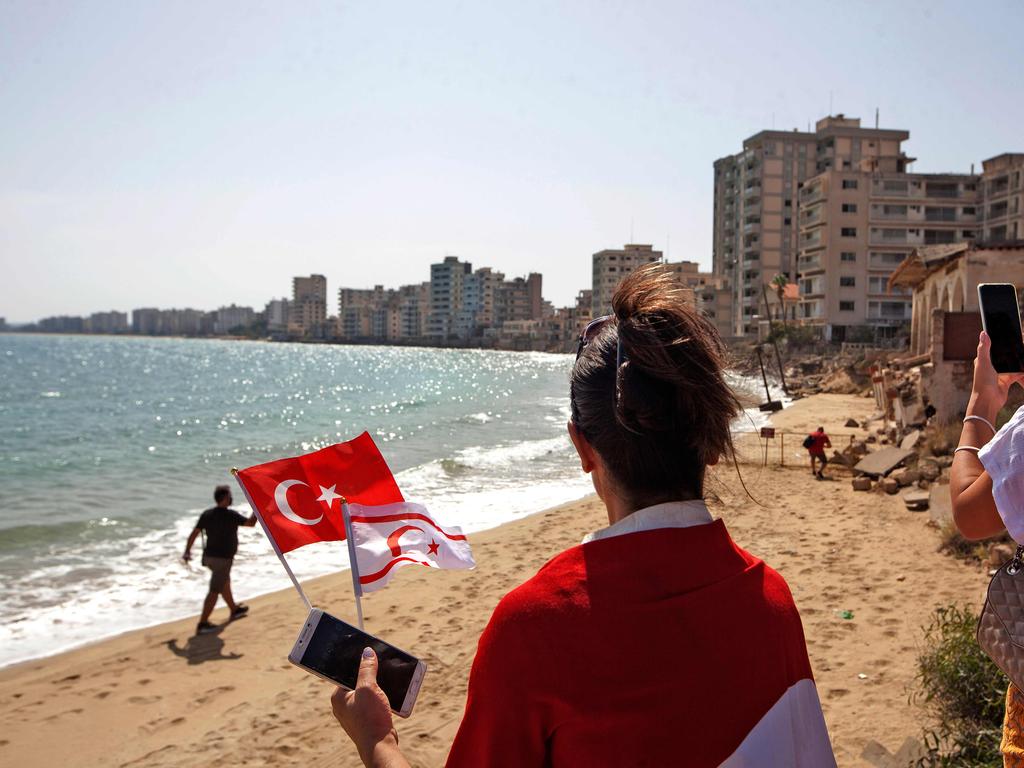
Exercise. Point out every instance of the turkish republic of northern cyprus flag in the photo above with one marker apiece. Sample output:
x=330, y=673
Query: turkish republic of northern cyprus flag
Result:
x=390, y=536
x=299, y=499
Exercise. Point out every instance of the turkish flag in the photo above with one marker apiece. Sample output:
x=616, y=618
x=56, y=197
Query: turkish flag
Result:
x=299, y=499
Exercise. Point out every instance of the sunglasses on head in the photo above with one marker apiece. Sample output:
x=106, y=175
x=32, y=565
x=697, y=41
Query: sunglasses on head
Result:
x=590, y=332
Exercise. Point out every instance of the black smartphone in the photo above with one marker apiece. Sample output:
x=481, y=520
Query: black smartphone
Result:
x=1000, y=317
x=332, y=650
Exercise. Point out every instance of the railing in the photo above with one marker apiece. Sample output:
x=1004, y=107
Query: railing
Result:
x=783, y=448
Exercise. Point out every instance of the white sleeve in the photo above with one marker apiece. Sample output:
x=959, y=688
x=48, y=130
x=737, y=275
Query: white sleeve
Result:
x=1003, y=458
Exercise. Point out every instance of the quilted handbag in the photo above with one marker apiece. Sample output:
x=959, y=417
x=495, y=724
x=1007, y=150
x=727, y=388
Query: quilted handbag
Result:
x=1001, y=626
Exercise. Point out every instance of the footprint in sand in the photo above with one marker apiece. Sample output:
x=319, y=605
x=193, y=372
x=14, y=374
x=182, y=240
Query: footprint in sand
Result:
x=143, y=699
x=214, y=693
x=836, y=693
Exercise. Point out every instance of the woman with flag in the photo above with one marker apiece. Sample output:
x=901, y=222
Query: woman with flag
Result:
x=657, y=641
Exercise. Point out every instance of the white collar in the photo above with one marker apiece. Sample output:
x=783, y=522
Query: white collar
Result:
x=672, y=514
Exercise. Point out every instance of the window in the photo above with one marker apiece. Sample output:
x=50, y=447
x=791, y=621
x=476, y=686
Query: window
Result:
x=788, y=203
x=849, y=183
x=848, y=281
x=846, y=306
x=849, y=207
x=787, y=221
x=848, y=232
x=848, y=256
x=968, y=210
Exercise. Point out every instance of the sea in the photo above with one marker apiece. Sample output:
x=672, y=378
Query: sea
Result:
x=110, y=447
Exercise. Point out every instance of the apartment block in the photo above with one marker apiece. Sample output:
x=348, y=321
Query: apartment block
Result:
x=107, y=322
x=446, y=279
x=1001, y=217
x=477, y=304
x=755, y=225
x=275, y=314
x=856, y=226
x=227, y=319
x=62, y=324
x=610, y=266
x=307, y=315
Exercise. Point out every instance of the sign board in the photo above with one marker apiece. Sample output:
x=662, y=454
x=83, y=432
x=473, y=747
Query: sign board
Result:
x=767, y=432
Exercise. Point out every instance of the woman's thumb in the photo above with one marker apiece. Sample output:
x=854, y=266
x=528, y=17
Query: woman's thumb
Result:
x=367, y=677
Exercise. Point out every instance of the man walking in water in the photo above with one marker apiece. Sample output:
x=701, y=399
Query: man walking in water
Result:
x=221, y=526
x=816, y=443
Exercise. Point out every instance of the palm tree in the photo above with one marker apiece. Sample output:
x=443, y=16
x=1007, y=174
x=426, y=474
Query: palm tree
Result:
x=780, y=281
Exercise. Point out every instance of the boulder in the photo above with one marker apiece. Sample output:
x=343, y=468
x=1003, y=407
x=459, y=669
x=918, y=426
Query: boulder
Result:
x=907, y=477
x=944, y=461
x=852, y=423
x=929, y=470
x=890, y=486
x=858, y=448
x=871, y=439
x=916, y=501
x=862, y=483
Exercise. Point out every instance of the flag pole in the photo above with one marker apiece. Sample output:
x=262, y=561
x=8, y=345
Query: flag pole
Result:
x=357, y=588
x=273, y=543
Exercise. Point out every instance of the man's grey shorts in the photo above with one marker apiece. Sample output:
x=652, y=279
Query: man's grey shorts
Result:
x=220, y=570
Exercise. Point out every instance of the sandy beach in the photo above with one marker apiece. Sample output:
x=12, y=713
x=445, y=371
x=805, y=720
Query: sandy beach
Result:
x=160, y=697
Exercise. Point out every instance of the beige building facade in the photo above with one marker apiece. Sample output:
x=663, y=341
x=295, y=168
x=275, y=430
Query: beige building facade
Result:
x=610, y=266
x=756, y=202
x=856, y=226
x=1002, y=215
x=307, y=312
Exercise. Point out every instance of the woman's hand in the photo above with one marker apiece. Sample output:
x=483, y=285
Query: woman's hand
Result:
x=366, y=717
x=990, y=389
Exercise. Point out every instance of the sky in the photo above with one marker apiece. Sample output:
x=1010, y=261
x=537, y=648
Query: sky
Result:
x=197, y=154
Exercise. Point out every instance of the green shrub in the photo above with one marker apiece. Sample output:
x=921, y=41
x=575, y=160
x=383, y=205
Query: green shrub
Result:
x=962, y=690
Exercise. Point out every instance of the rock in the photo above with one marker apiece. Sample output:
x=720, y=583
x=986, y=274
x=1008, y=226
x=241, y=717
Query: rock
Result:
x=999, y=554
x=942, y=447
x=858, y=448
x=907, y=477
x=843, y=459
x=871, y=439
x=929, y=470
x=890, y=486
x=862, y=483
x=880, y=431
x=916, y=501
x=923, y=484
x=944, y=461
x=851, y=423
x=884, y=441
x=910, y=439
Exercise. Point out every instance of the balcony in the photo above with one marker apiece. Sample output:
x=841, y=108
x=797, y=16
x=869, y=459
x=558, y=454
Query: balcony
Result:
x=942, y=190
x=809, y=263
x=752, y=227
x=810, y=195
x=816, y=215
x=810, y=239
x=890, y=188
x=940, y=214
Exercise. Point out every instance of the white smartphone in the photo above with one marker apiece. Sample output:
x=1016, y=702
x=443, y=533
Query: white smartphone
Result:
x=332, y=650
x=1000, y=317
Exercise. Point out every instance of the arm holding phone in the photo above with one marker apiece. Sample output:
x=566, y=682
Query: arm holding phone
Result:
x=970, y=486
x=366, y=717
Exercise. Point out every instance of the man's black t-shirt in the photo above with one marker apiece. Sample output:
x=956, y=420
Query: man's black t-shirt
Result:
x=221, y=526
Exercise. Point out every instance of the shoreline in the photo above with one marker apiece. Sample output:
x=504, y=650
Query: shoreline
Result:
x=864, y=572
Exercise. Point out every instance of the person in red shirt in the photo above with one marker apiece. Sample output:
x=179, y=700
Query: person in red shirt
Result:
x=657, y=641
x=816, y=444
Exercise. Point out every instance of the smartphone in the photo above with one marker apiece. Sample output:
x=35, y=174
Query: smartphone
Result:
x=1000, y=317
x=332, y=650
